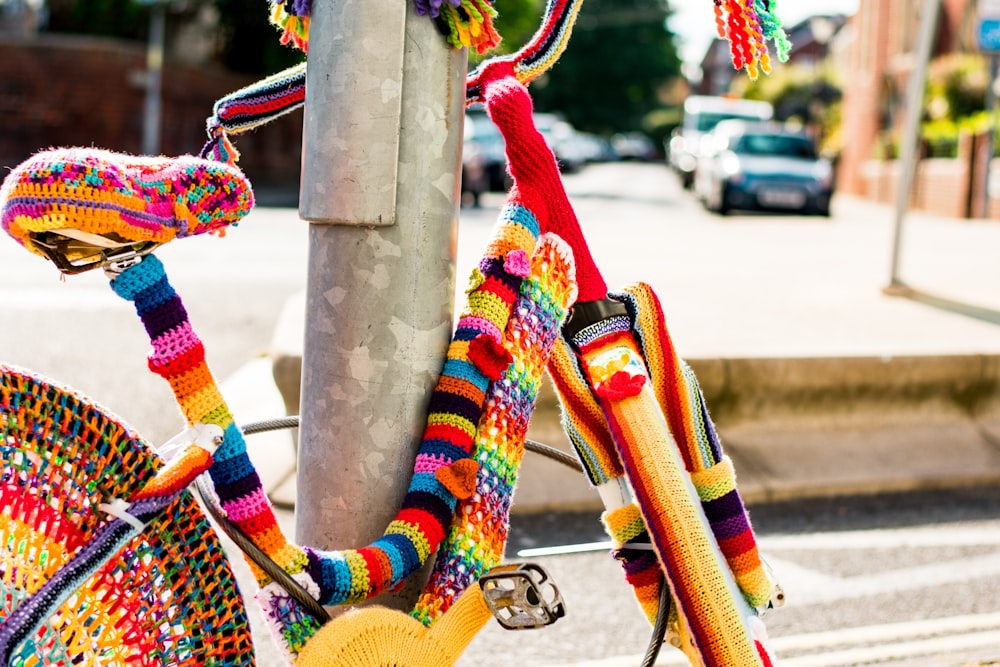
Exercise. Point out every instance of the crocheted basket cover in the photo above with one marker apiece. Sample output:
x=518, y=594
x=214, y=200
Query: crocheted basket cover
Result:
x=167, y=598
x=123, y=197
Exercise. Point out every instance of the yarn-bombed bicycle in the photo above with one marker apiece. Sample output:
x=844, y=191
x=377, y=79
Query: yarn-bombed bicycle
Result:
x=113, y=211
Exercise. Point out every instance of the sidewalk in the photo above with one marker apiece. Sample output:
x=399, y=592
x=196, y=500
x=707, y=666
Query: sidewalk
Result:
x=819, y=383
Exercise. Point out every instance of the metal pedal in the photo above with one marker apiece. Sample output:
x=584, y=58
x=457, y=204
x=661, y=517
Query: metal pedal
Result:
x=522, y=596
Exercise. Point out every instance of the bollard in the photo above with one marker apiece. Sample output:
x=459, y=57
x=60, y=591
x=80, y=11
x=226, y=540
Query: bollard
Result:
x=380, y=187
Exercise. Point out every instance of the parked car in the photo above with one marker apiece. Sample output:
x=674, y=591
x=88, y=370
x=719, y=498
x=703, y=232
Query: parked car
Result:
x=762, y=166
x=701, y=114
x=484, y=159
x=633, y=146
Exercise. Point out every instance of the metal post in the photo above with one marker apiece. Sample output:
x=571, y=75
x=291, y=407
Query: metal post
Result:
x=154, y=76
x=380, y=186
x=990, y=134
x=911, y=131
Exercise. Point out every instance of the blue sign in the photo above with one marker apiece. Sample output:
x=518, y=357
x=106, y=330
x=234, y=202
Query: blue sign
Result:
x=988, y=34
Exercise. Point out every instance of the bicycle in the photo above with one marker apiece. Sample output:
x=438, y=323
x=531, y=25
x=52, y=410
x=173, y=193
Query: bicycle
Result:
x=84, y=209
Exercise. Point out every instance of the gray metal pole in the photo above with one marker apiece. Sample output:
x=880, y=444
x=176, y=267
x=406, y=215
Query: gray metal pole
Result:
x=380, y=185
x=154, y=76
x=911, y=131
x=991, y=113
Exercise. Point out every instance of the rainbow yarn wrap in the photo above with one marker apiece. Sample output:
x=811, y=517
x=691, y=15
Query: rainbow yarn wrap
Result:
x=477, y=535
x=136, y=199
x=712, y=473
x=250, y=107
x=291, y=17
x=444, y=470
x=749, y=25
x=724, y=629
x=537, y=56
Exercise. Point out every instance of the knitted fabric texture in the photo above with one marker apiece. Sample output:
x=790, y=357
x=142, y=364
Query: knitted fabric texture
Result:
x=250, y=107
x=455, y=409
x=708, y=600
x=538, y=55
x=166, y=597
x=749, y=25
x=684, y=407
x=477, y=536
x=132, y=198
x=377, y=637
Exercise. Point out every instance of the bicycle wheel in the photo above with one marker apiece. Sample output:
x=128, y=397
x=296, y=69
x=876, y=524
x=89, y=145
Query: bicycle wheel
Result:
x=168, y=597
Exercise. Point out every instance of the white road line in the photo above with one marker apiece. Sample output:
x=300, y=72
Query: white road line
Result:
x=883, y=539
x=894, y=641
x=804, y=587
x=875, y=654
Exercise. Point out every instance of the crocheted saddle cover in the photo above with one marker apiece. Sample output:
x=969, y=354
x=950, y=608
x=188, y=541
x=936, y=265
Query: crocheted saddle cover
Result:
x=166, y=597
x=79, y=201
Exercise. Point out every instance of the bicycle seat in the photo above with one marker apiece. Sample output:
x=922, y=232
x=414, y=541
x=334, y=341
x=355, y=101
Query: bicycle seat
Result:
x=77, y=206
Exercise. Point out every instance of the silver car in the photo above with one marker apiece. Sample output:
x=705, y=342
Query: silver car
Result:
x=762, y=166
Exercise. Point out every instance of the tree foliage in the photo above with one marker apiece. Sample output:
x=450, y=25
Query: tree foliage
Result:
x=620, y=57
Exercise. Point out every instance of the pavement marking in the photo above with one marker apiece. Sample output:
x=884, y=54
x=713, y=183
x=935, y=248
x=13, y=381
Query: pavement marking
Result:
x=851, y=645
x=883, y=539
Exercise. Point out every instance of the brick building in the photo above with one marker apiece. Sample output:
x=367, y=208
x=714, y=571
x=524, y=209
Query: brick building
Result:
x=885, y=34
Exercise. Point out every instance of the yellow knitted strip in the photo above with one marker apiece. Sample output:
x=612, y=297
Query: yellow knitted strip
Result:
x=716, y=481
x=682, y=535
x=624, y=524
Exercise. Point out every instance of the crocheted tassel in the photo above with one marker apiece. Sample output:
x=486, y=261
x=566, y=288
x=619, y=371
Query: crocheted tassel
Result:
x=478, y=532
x=291, y=17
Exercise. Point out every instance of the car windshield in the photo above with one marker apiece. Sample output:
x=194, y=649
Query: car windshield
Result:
x=706, y=121
x=775, y=144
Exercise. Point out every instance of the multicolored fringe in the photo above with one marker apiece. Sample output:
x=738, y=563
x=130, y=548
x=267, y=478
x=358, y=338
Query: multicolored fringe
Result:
x=749, y=25
x=684, y=407
x=291, y=17
x=251, y=107
x=134, y=198
x=720, y=623
x=539, y=54
x=464, y=23
x=478, y=533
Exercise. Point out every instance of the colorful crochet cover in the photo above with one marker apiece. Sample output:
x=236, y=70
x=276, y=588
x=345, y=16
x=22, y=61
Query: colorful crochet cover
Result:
x=477, y=535
x=166, y=597
x=125, y=198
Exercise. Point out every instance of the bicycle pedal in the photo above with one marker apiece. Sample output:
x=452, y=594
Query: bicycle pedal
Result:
x=522, y=596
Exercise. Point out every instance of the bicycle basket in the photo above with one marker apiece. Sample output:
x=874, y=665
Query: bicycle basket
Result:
x=167, y=597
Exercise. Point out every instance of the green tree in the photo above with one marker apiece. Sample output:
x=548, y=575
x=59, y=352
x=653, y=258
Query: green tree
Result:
x=619, y=59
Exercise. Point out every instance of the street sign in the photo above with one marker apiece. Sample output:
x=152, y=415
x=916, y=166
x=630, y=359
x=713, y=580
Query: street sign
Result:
x=988, y=25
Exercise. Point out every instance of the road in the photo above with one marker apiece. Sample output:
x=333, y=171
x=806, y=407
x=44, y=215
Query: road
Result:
x=916, y=574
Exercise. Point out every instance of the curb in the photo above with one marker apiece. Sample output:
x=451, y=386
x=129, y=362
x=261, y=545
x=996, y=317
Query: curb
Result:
x=804, y=427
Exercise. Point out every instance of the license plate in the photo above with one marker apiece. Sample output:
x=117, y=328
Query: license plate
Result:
x=784, y=198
